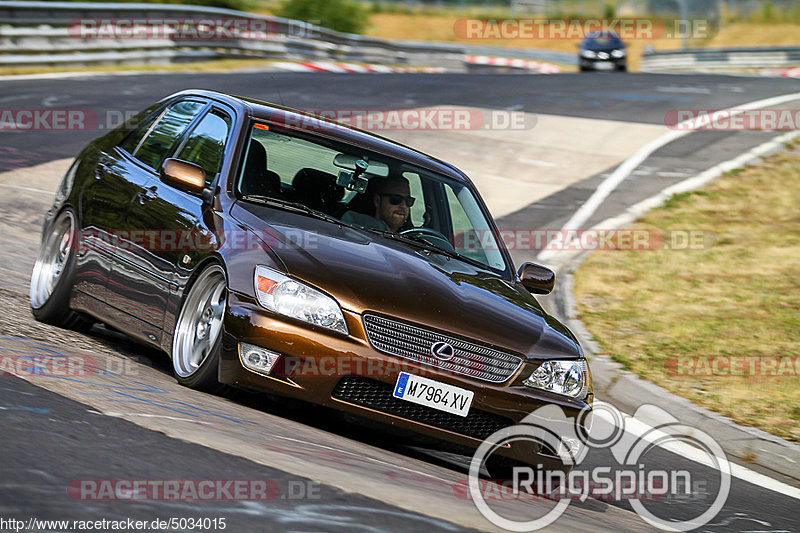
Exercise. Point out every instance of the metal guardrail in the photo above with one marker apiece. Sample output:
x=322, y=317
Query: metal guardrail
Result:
x=38, y=33
x=720, y=59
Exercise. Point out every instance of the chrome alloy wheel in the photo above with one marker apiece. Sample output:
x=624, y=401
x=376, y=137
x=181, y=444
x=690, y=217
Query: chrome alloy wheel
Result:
x=52, y=259
x=200, y=322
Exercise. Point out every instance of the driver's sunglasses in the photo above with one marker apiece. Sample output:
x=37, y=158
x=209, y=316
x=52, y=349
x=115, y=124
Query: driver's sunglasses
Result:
x=395, y=199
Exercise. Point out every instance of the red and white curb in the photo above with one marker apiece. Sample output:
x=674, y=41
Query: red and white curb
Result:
x=782, y=72
x=535, y=66
x=328, y=66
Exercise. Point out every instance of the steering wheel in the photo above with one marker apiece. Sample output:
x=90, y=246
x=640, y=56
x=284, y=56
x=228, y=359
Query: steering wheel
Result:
x=431, y=235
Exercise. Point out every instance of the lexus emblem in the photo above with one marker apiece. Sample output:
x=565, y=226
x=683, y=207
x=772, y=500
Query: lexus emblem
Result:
x=442, y=351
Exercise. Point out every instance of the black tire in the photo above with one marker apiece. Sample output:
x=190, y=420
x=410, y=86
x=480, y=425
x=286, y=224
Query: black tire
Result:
x=622, y=68
x=197, y=339
x=54, y=273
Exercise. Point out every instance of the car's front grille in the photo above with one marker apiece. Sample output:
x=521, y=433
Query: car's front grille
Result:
x=415, y=343
x=378, y=396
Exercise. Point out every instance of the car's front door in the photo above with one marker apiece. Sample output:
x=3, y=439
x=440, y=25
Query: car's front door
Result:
x=134, y=287
x=175, y=227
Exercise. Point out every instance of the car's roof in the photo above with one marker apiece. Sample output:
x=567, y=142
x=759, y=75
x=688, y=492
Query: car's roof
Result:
x=288, y=116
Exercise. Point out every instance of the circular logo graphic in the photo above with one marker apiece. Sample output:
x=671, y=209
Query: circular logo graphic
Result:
x=442, y=351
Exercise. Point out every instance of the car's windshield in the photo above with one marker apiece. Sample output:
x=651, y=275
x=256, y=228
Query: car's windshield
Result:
x=369, y=190
x=603, y=40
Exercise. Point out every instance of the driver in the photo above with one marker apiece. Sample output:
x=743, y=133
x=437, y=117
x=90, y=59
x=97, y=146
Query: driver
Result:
x=391, y=205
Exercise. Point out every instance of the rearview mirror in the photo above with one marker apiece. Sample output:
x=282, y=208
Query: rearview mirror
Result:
x=348, y=162
x=184, y=175
x=537, y=279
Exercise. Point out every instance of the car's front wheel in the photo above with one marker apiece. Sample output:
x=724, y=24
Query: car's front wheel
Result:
x=53, y=275
x=197, y=341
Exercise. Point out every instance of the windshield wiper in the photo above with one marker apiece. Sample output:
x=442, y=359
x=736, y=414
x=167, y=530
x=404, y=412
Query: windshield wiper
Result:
x=292, y=206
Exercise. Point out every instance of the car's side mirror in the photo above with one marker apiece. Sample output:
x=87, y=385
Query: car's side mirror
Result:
x=183, y=175
x=537, y=279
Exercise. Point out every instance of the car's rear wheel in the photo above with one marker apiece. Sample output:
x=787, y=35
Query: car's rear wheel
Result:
x=197, y=341
x=53, y=275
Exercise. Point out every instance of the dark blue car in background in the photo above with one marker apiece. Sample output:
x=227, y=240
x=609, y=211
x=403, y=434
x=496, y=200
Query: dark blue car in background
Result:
x=602, y=50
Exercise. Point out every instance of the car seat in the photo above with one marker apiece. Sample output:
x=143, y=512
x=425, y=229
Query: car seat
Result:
x=258, y=180
x=317, y=190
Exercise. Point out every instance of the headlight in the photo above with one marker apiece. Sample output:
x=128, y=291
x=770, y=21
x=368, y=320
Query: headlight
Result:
x=588, y=53
x=618, y=53
x=570, y=378
x=286, y=296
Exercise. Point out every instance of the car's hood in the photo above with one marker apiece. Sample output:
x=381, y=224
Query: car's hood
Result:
x=369, y=273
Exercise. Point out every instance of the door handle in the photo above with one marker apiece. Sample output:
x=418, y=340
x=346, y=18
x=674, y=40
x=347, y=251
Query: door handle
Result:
x=147, y=194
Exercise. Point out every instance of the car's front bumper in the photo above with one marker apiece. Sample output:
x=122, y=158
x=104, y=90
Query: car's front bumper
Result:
x=347, y=374
x=602, y=64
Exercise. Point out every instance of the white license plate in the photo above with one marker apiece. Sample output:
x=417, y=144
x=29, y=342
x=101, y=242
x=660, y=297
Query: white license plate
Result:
x=433, y=394
x=602, y=65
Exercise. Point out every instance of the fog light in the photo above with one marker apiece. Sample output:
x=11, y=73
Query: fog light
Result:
x=257, y=358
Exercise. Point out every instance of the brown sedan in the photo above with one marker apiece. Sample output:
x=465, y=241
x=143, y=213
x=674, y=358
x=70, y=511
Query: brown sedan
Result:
x=267, y=249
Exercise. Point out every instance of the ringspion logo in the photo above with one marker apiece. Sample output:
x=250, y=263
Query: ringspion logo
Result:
x=625, y=478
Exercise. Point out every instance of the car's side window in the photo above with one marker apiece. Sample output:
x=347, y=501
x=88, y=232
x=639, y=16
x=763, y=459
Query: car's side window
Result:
x=157, y=139
x=132, y=141
x=205, y=145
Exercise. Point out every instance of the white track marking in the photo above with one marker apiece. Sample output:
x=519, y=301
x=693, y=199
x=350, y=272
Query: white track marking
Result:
x=629, y=165
x=641, y=430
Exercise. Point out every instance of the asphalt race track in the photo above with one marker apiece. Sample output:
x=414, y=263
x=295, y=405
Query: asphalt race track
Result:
x=126, y=418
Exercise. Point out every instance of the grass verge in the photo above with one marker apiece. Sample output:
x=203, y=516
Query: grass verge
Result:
x=660, y=312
